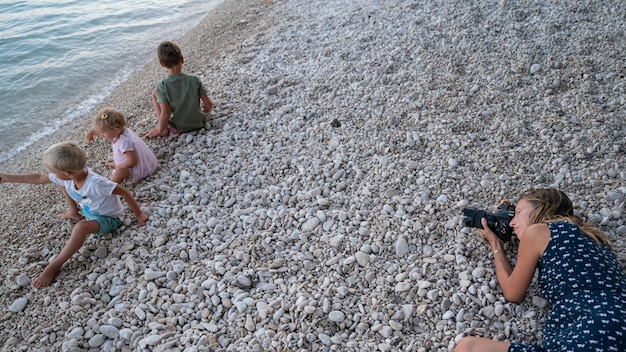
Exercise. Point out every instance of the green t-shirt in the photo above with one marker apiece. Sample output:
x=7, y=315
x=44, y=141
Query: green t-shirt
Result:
x=182, y=92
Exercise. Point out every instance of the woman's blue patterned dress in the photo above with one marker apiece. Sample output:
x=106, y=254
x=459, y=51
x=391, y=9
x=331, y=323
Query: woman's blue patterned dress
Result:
x=586, y=286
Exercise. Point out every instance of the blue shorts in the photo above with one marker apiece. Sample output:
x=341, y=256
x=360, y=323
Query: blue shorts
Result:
x=107, y=223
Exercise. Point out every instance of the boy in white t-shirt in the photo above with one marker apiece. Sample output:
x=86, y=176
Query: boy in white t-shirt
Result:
x=93, y=200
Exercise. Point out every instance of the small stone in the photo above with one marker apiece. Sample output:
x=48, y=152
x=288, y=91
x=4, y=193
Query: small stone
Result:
x=97, y=340
x=540, y=301
x=131, y=265
x=395, y=325
x=323, y=202
x=244, y=281
x=403, y=286
x=384, y=347
x=23, y=280
x=153, y=340
x=310, y=224
x=18, y=305
x=126, y=334
x=447, y=315
x=100, y=252
x=402, y=247
x=535, y=68
x=498, y=310
x=110, y=331
x=150, y=275
x=250, y=325
x=362, y=258
x=324, y=339
x=141, y=315
x=12, y=341
x=385, y=331
x=336, y=316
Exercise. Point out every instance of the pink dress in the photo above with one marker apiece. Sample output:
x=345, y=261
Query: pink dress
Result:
x=129, y=141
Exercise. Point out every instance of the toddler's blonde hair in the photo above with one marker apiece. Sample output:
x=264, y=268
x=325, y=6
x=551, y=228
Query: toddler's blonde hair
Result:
x=110, y=117
x=65, y=157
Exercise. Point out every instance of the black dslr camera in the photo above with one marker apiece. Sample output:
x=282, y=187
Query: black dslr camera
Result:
x=498, y=221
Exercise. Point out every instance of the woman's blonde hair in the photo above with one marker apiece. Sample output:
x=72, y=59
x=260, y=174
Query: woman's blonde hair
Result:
x=552, y=205
x=110, y=117
x=65, y=157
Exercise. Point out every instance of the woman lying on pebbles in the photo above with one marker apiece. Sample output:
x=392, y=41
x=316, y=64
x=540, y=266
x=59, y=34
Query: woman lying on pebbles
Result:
x=579, y=274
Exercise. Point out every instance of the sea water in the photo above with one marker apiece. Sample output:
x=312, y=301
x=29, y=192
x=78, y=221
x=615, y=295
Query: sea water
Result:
x=59, y=59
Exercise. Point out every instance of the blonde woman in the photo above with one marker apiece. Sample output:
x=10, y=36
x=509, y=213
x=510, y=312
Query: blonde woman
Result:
x=579, y=275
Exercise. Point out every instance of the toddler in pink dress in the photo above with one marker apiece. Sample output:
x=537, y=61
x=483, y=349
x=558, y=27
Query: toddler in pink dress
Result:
x=132, y=158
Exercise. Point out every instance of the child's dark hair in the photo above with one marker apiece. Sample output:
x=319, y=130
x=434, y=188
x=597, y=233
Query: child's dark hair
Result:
x=110, y=117
x=169, y=54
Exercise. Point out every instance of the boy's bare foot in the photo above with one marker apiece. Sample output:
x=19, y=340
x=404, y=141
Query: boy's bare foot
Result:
x=45, y=278
x=71, y=215
x=156, y=133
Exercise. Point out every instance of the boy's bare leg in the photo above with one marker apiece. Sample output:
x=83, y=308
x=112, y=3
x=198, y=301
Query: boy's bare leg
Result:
x=120, y=174
x=72, y=213
x=79, y=233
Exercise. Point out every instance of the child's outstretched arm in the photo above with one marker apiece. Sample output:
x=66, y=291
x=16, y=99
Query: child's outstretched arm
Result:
x=207, y=104
x=25, y=178
x=132, y=204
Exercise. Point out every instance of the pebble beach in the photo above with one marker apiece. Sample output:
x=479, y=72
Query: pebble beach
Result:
x=321, y=208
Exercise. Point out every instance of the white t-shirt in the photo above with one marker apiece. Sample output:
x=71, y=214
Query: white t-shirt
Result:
x=95, y=197
x=147, y=161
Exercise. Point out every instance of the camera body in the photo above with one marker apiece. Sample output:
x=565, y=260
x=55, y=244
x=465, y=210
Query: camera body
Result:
x=498, y=221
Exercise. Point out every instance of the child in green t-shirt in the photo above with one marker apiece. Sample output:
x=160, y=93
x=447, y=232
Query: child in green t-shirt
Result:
x=177, y=97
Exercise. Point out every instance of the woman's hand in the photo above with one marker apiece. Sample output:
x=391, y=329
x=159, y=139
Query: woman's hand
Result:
x=505, y=201
x=495, y=241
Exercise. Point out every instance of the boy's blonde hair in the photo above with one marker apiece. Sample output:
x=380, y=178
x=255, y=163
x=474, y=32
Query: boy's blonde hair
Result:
x=169, y=54
x=110, y=117
x=65, y=157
